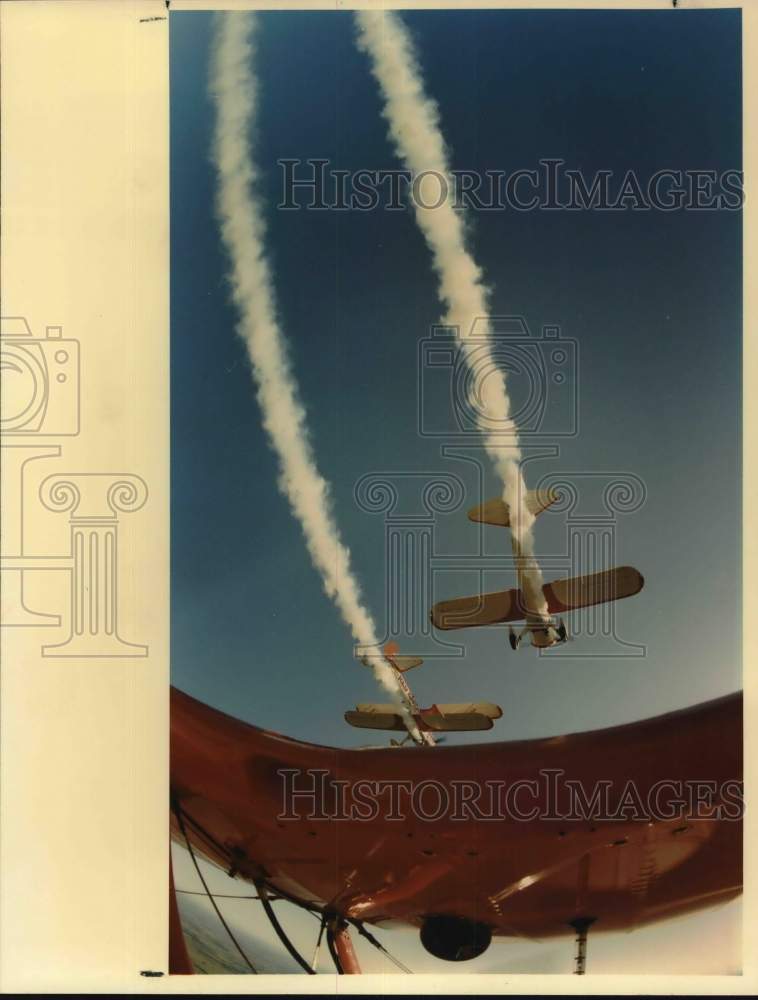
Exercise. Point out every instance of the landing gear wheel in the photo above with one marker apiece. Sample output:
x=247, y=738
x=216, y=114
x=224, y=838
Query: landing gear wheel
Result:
x=512, y=639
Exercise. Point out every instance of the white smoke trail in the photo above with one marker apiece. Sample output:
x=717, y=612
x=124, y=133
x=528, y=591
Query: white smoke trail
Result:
x=415, y=131
x=235, y=93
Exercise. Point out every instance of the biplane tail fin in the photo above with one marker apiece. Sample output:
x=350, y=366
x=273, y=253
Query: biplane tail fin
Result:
x=393, y=657
x=497, y=512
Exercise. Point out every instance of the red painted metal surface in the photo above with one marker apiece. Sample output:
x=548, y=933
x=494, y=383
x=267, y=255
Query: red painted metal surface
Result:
x=343, y=945
x=524, y=877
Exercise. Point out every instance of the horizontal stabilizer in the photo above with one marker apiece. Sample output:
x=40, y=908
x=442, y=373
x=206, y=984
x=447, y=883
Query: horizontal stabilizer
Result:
x=404, y=663
x=496, y=511
x=375, y=720
x=561, y=595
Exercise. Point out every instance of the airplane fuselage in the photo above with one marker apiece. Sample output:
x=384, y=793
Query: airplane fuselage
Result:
x=543, y=633
x=420, y=736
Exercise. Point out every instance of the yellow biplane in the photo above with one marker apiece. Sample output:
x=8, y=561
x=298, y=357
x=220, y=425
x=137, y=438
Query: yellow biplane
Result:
x=511, y=606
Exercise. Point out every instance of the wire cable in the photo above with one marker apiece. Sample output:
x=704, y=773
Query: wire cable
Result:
x=314, y=963
x=220, y=895
x=317, y=912
x=269, y=910
x=378, y=944
x=225, y=852
x=227, y=928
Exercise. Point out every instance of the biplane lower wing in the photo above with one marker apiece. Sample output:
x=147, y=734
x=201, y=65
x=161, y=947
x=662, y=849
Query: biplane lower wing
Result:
x=561, y=595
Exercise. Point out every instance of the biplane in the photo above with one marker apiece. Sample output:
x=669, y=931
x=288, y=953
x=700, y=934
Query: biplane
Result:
x=458, y=877
x=511, y=606
x=455, y=718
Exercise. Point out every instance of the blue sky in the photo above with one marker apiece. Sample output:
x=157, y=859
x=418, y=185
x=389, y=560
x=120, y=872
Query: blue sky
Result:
x=652, y=299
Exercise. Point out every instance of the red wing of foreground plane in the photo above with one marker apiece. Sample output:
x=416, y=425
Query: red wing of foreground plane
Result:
x=486, y=840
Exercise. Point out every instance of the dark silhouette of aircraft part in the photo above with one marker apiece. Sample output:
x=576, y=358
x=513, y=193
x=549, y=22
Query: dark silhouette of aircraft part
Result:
x=455, y=939
x=581, y=925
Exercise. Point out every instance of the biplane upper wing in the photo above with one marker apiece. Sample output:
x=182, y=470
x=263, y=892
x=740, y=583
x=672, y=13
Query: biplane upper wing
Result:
x=561, y=595
x=461, y=722
x=497, y=512
x=373, y=708
x=391, y=721
x=597, y=588
x=459, y=717
x=468, y=708
x=480, y=609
